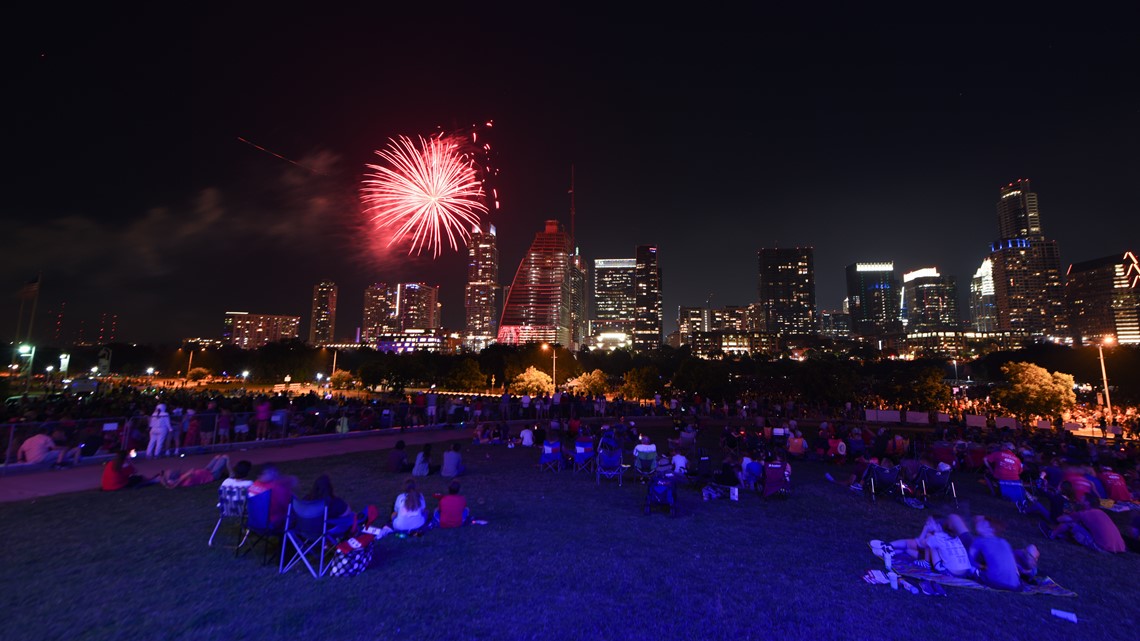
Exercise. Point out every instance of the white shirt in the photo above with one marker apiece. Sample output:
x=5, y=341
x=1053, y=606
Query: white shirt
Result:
x=527, y=436
x=680, y=464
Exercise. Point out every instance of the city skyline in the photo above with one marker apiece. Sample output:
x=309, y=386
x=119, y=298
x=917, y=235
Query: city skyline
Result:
x=220, y=170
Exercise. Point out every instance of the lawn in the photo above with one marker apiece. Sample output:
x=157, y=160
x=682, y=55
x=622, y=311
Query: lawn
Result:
x=561, y=558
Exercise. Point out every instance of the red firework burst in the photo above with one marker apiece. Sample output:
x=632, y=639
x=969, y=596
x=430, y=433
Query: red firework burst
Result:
x=423, y=194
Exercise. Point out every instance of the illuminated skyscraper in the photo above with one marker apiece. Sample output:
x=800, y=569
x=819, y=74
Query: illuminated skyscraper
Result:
x=647, y=325
x=250, y=331
x=1103, y=300
x=538, y=307
x=579, y=321
x=1028, y=291
x=479, y=300
x=983, y=310
x=322, y=322
x=614, y=297
x=929, y=301
x=379, y=312
x=417, y=306
x=691, y=321
x=873, y=299
x=787, y=290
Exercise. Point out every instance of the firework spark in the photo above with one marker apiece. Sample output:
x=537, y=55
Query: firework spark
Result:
x=424, y=194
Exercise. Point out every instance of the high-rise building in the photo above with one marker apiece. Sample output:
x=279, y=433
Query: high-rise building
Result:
x=579, y=320
x=417, y=306
x=691, y=321
x=322, y=322
x=1103, y=300
x=1028, y=291
x=834, y=324
x=614, y=296
x=983, y=309
x=379, y=312
x=250, y=331
x=873, y=299
x=479, y=299
x=733, y=318
x=787, y=290
x=929, y=301
x=538, y=305
x=647, y=324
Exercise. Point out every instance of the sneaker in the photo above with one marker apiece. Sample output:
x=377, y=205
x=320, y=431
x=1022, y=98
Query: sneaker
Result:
x=925, y=565
x=857, y=487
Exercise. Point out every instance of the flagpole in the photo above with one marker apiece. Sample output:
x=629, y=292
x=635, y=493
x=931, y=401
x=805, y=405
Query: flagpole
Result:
x=32, y=317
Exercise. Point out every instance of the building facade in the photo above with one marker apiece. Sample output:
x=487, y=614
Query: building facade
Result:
x=648, y=329
x=480, y=299
x=1028, y=290
x=929, y=301
x=250, y=331
x=786, y=290
x=614, y=300
x=538, y=304
x=983, y=309
x=322, y=321
x=873, y=299
x=1103, y=301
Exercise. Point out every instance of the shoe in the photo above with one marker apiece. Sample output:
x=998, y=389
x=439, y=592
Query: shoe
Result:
x=925, y=565
x=829, y=477
x=881, y=549
x=908, y=586
x=857, y=487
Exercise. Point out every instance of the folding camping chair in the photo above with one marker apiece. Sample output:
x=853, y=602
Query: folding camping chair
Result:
x=231, y=505
x=1012, y=490
x=310, y=532
x=584, y=455
x=937, y=483
x=258, y=526
x=608, y=463
x=551, y=458
x=882, y=480
x=645, y=465
x=661, y=490
x=775, y=481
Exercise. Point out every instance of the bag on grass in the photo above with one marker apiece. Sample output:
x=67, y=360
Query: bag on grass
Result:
x=353, y=555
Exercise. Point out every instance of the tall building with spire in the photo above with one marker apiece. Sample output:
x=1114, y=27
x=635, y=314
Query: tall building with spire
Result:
x=322, y=322
x=647, y=326
x=1028, y=290
x=786, y=290
x=539, y=304
x=480, y=298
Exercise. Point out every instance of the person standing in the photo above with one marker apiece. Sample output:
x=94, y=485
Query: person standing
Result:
x=159, y=429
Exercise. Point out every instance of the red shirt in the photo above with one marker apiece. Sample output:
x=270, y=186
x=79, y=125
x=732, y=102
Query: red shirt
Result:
x=1081, y=485
x=1005, y=465
x=1115, y=486
x=451, y=508
x=116, y=478
x=1103, y=530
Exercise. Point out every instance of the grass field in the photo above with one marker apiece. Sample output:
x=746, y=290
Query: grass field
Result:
x=560, y=559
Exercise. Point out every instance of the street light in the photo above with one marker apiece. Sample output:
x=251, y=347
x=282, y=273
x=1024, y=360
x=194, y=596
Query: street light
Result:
x=28, y=352
x=1108, y=340
x=553, y=364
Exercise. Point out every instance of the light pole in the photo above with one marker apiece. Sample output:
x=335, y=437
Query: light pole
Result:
x=553, y=364
x=29, y=352
x=955, y=361
x=1108, y=340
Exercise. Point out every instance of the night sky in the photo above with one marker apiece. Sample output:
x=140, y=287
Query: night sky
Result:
x=126, y=186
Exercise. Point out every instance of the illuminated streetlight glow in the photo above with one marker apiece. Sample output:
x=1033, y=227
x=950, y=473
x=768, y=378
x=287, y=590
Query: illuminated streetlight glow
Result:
x=553, y=364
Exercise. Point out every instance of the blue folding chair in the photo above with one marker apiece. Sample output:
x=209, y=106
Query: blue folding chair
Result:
x=584, y=454
x=551, y=458
x=258, y=526
x=608, y=462
x=310, y=532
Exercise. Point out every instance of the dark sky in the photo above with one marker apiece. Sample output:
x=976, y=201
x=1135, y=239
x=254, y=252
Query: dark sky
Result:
x=126, y=186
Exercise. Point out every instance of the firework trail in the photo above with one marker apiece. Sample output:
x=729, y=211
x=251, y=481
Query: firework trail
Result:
x=426, y=192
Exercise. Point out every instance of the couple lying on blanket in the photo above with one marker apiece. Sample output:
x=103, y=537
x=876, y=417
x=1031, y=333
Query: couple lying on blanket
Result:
x=981, y=556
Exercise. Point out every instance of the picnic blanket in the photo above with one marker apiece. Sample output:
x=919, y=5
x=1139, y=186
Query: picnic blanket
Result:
x=905, y=566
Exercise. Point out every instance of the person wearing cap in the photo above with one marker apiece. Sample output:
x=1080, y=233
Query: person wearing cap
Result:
x=1002, y=465
x=159, y=428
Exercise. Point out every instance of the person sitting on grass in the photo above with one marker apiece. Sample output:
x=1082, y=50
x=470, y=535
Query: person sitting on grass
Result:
x=118, y=474
x=452, y=463
x=992, y=557
x=398, y=459
x=934, y=548
x=797, y=446
x=215, y=470
x=1089, y=526
x=680, y=463
x=423, y=466
x=323, y=491
x=408, y=513
x=1002, y=465
x=452, y=511
x=723, y=481
x=526, y=437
